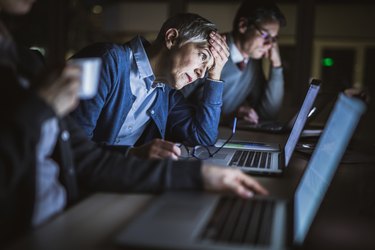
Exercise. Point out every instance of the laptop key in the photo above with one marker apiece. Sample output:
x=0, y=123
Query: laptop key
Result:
x=240, y=231
x=254, y=220
x=231, y=222
x=256, y=159
x=250, y=159
x=264, y=160
x=266, y=225
x=268, y=164
x=218, y=220
x=243, y=158
x=235, y=158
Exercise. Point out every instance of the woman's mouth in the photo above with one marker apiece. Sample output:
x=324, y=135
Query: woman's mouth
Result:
x=189, y=78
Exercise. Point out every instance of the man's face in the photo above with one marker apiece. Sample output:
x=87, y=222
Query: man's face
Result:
x=188, y=63
x=257, y=40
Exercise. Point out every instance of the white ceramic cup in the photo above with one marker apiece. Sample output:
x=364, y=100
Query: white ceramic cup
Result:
x=91, y=68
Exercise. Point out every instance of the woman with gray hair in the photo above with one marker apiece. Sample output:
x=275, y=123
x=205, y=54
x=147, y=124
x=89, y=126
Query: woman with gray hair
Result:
x=138, y=105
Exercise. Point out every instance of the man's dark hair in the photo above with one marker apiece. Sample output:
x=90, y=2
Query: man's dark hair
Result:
x=257, y=11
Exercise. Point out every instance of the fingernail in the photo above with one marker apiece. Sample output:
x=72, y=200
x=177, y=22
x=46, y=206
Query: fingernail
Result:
x=249, y=194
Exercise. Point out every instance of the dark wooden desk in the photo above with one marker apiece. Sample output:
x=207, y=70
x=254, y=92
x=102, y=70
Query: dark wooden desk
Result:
x=346, y=218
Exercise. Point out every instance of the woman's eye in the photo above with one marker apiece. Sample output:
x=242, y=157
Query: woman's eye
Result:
x=203, y=56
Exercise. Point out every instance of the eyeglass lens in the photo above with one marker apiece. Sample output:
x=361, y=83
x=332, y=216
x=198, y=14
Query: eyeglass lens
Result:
x=265, y=35
x=202, y=152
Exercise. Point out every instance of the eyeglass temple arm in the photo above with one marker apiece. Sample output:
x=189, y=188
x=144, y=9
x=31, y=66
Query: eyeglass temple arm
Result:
x=230, y=137
x=234, y=125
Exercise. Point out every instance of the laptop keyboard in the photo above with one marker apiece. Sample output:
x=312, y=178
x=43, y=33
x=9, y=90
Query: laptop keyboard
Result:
x=251, y=159
x=240, y=221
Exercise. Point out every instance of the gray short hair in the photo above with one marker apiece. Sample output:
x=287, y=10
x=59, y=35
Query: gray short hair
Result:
x=191, y=27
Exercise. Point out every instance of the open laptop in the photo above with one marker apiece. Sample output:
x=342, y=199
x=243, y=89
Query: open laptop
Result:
x=212, y=221
x=276, y=126
x=258, y=158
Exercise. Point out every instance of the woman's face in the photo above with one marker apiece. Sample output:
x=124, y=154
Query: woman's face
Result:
x=188, y=63
x=18, y=7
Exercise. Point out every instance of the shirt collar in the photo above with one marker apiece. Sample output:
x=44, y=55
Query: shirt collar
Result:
x=137, y=45
x=235, y=53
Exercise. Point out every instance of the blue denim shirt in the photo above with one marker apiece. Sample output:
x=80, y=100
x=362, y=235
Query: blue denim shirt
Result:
x=172, y=117
x=142, y=86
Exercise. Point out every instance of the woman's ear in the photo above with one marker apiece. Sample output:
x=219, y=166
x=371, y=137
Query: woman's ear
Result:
x=171, y=36
x=242, y=25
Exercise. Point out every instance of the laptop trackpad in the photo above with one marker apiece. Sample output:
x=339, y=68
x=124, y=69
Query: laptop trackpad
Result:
x=178, y=216
x=178, y=212
x=218, y=156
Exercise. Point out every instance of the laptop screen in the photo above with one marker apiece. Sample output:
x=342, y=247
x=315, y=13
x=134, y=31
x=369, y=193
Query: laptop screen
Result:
x=324, y=162
x=301, y=120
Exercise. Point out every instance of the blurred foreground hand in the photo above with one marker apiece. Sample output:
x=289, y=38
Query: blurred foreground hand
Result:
x=233, y=180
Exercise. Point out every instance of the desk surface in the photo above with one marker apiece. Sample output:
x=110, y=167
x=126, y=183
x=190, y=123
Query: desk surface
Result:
x=346, y=218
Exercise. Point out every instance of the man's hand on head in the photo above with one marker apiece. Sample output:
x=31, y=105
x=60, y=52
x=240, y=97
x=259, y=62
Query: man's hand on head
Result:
x=274, y=55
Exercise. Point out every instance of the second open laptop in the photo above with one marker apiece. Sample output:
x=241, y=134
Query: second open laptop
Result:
x=277, y=127
x=262, y=158
x=212, y=221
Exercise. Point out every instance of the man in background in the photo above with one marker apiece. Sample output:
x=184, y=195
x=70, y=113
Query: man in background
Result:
x=247, y=93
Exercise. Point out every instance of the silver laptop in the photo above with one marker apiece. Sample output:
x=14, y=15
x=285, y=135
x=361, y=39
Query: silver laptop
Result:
x=259, y=158
x=212, y=221
x=277, y=127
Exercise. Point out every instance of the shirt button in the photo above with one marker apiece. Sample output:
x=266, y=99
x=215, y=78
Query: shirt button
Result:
x=152, y=112
x=130, y=127
x=65, y=135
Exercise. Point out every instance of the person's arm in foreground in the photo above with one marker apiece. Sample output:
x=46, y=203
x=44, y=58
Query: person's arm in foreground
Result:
x=24, y=113
x=102, y=170
x=234, y=180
